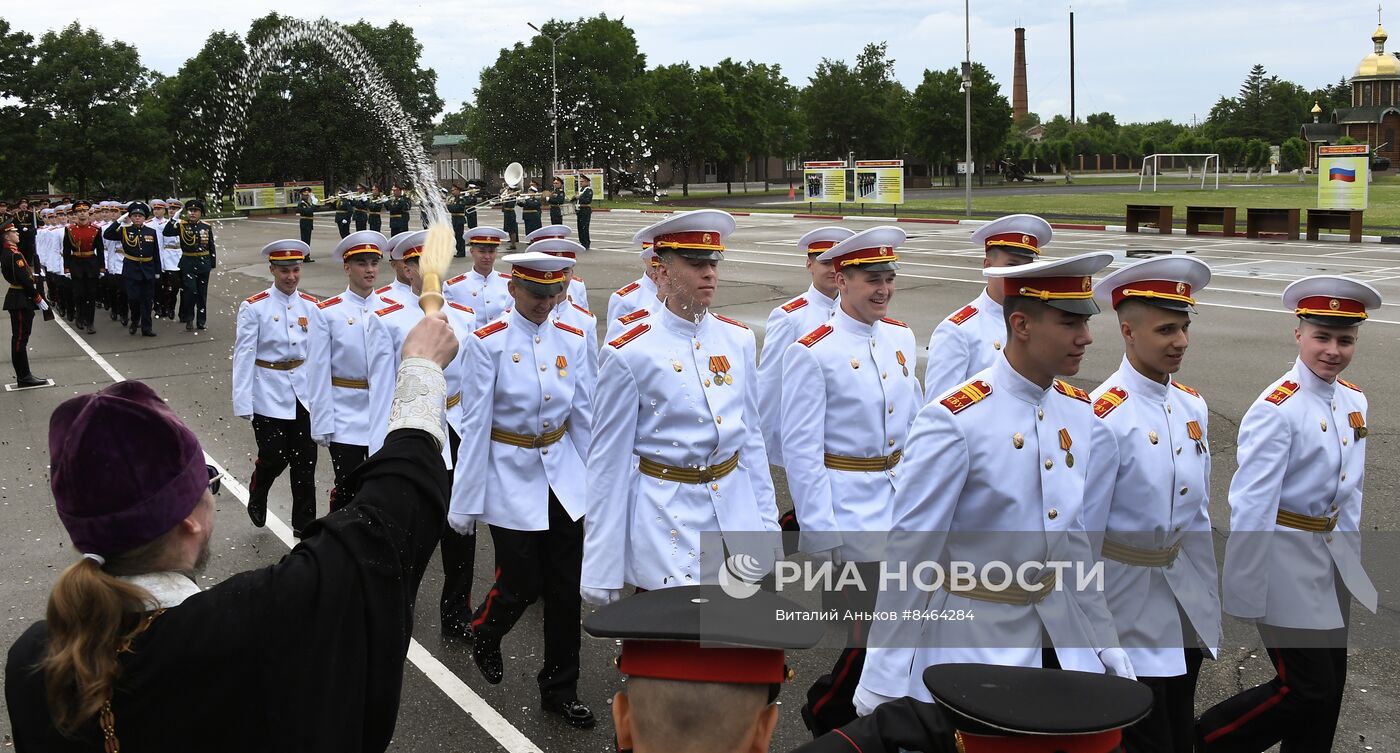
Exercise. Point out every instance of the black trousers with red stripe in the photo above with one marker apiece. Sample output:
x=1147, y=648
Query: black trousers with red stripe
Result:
x=1299, y=707
x=831, y=699
x=282, y=443
x=531, y=565
x=21, y=324
x=458, y=565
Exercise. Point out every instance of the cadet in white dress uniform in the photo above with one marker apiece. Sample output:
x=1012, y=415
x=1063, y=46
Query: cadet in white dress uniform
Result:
x=640, y=292
x=272, y=383
x=849, y=395
x=1293, y=559
x=788, y=322
x=1149, y=496
x=340, y=417
x=677, y=399
x=983, y=465
x=385, y=336
x=575, y=291
x=570, y=311
x=972, y=337
x=482, y=289
x=520, y=468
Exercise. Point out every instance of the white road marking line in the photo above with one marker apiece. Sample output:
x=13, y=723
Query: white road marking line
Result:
x=456, y=690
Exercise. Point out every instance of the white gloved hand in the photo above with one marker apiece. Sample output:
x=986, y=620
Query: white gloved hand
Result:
x=866, y=700
x=462, y=523
x=43, y=305
x=323, y=441
x=1115, y=661
x=599, y=596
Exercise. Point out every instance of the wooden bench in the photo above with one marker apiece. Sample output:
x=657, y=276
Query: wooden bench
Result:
x=1222, y=216
x=1271, y=220
x=1348, y=220
x=1150, y=214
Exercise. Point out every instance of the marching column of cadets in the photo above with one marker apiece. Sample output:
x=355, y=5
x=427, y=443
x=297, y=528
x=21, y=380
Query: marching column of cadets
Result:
x=679, y=413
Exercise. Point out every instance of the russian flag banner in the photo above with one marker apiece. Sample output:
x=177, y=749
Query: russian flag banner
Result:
x=1342, y=174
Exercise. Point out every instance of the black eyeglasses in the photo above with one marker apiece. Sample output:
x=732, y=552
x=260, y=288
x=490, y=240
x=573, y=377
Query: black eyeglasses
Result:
x=215, y=479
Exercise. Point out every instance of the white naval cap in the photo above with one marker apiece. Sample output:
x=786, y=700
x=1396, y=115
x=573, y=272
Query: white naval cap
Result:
x=1331, y=300
x=1066, y=284
x=409, y=246
x=157, y=203
x=539, y=272
x=360, y=243
x=485, y=236
x=1016, y=233
x=287, y=252
x=870, y=250
x=823, y=238
x=548, y=231
x=557, y=247
x=1170, y=282
x=697, y=234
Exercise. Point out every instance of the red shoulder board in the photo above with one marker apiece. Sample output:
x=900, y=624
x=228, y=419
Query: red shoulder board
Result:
x=1282, y=392
x=1069, y=390
x=460, y=307
x=456, y=279
x=816, y=335
x=309, y=297
x=387, y=300
x=967, y=312
x=626, y=289
x=388, y=309
x=386, y=287
x=1109, y=400
x=503, y=275
x=1348, y=385
x=492, y=328
x=895, y=322
x=580, y=308
x=629, y=335
x=258, y=297
x=794, y=304
x=1188, y=390
x=328, y=302
x=727, y=320
x=966, y=395
x=635, y=316
x=569, y=328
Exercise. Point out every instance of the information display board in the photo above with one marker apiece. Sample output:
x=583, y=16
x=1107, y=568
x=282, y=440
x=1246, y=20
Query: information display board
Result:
x=255, y=196
x=824, y=181
x=1343, y=176
x=291, y=192
x=879, y=181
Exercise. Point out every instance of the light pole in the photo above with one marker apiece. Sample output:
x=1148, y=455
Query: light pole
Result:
x=967, y=91
x=554, y=87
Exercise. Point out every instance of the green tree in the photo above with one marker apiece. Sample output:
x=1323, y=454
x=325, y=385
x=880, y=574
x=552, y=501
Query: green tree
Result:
x=512, y=133
x=991, y=114
x=1256, y=154
x=91, y=91
x=936, y=115
x=456, y=123
x=1231, y=150
x=196, y=105
x=23, y=166
x=1104, y=120
x=600, y=71
x=1293, y=154
x=681, y=128
x=856, y=108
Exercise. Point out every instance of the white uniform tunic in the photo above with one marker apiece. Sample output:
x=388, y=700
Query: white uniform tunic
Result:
x=786, y=323
x=526, y=379
x=396, y=292
x=578, y=293
x=993, y=476
x=1298, y=452
x=617, y=327
x=275, y=328
x=634, y=295
x=1151, y=490
x=849, y=389
x=487, y=296
x=659, y=397
x=113, y=255
x=340, y=404
x=169, y=246
x=48, y=246
x=966, y=342
x=582, y=319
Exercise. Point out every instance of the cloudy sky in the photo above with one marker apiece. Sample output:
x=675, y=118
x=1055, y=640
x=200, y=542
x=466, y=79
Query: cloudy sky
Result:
x=1140, y=59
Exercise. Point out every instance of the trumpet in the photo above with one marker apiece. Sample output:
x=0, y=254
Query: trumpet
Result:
x=513, y=176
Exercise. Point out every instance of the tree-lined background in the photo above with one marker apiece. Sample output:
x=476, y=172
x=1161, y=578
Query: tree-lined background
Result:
x=80, y=112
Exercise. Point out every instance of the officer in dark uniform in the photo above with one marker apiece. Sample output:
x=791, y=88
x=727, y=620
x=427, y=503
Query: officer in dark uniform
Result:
x=140, y=249
x=28, y=226
x=343, y=211
x=474, y=193
x=82, y=260
x=375, y=208
x=398, y=207
x=361, y=207
x=530, y=208
x=306, y=214
x=556, y=201
x=20, y=300
x=508, y=223
x=585, y=210
x=197, y=260
x=457, y=209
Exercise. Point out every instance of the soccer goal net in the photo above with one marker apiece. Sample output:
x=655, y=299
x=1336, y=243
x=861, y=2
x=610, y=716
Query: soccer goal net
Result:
x=1179, y=170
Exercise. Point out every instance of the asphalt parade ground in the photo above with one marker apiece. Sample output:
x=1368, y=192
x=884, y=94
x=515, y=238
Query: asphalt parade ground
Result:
x=1241, y=342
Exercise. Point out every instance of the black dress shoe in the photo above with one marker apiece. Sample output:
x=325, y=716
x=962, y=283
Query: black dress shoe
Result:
x=91, y=330
x=573, y=711
x=257, y=512
x=199, y=326
x=462, y=631
x=29, y=380
x=487, y=654
x=189, y=326
x=148, y=334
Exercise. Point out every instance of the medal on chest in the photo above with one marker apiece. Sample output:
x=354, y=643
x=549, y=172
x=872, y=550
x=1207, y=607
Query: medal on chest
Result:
x=1193, y=430
x=899, y=356
x=1065, y=443
x=560, y=363
x=301, y=322
x=1357, y=422
x=719, y=366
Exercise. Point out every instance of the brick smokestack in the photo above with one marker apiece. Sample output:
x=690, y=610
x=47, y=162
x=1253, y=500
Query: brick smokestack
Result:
x=1019, y=106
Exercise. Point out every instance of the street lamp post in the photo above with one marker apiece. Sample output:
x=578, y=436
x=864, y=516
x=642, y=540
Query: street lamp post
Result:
x=967, y=91
x=554, y=87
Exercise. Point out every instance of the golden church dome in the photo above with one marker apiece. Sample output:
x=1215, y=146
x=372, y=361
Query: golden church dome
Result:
x=1380, y=62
